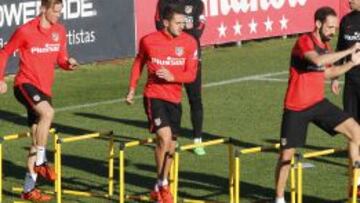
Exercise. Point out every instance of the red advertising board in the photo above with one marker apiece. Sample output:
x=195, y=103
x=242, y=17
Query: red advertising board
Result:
x=237, y=20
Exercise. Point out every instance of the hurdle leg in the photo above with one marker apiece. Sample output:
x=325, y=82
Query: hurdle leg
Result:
x=231, y=173
x=121, y=174
x=292, y=181
x=237, y=178
x=58, y=170
x=176, y=175
x=354, y=182
x=111, y=167
x=299, y=182
x=56, y=137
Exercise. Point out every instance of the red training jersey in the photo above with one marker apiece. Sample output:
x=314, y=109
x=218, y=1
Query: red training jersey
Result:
x=177, y=54
x=40, y=50
x=306, y=85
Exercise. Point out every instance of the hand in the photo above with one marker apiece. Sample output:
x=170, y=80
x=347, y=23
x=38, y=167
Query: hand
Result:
x=335, y=86
x=3, y=87
x=130, y=97
x=165, y=74
x=73, y=63
x=355, y=58
x=355, y=47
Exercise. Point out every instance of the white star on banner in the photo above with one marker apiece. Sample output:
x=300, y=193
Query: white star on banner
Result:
x=283, y=23
x=237, y=28
x=253, y=26
x=222, y=30
x=268, y=24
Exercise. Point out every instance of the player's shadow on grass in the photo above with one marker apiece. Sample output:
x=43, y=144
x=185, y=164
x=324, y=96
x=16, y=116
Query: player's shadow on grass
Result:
x=22, y=121
x=185, y=133
x=192, y=184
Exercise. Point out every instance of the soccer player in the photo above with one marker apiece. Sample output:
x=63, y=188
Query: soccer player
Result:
x=349, y=34
x=170, y=56
x=41, y=43
x=310, y=64
x=195, y=25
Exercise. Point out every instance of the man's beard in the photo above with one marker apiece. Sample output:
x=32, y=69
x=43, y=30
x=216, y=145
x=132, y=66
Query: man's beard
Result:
x=325, y=38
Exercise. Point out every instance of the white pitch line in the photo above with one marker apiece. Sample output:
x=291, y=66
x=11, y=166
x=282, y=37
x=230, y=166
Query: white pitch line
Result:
x=286, y=80
x=212, y=84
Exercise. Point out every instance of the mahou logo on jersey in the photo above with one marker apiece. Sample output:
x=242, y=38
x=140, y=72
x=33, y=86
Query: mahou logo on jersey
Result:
x=55, y=36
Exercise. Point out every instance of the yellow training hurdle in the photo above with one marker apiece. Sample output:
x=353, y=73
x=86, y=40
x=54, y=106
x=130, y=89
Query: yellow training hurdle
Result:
x=260, y=149
x=58, y=148
x=299, y=172
x=123, y=146
x=234, y=164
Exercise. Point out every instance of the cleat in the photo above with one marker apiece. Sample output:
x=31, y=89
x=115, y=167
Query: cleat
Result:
x=46, y=171
x=166, y=195
x=156, y=196
x=36, y=196
x=200, y=151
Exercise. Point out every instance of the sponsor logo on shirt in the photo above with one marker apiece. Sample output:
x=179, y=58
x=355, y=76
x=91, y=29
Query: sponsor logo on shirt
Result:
x=352, y=37
x=48, y=48
x=169, y=61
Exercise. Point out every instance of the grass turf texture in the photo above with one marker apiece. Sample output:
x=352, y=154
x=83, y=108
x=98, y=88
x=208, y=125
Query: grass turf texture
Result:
x=248, y=110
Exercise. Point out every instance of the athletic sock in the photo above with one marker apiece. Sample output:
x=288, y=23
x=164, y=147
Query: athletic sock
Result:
x=30, y=181
x=162, y=183
x=280, y=200
x=197, y=140
x=40, y=155
x=156, y=187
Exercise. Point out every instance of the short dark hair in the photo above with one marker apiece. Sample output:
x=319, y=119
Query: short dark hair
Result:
x=49, y=3
x=322, y=13
x=171, y=9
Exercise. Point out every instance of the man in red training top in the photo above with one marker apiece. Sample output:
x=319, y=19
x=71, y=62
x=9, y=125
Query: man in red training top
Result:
x=41, y=44
x=311, y=63
x=171, y=59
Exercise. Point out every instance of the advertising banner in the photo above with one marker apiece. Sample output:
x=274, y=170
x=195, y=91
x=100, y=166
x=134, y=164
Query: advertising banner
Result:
x=237, y=20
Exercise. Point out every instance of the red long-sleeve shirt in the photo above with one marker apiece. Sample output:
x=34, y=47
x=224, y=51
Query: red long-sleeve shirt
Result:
x=39, y=51
x=177, y=54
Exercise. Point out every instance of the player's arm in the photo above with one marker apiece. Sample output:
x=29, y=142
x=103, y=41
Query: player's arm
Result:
x=63, y=59
x=336, y=71
x=135, y=74
x=335, y=84
x=330, y=58
x=14, y=43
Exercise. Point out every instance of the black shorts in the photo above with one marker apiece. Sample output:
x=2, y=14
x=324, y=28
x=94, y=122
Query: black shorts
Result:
x=161, y=114
x=28, y=95
x=294, y=124
x=351, y=99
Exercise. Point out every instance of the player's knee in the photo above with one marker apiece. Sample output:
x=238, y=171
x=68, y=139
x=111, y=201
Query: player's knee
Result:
x=287, y=154
x=164, y=141
x=353, y=131
x=48, y=114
